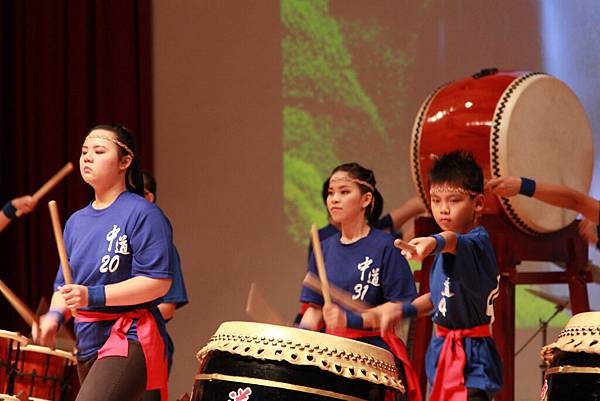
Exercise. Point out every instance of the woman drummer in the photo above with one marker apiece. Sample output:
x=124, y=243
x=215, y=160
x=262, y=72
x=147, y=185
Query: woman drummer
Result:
x=119, y=250
x=361, y=260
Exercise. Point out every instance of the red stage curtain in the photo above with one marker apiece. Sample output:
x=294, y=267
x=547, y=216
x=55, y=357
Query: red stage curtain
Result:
x=65, y=67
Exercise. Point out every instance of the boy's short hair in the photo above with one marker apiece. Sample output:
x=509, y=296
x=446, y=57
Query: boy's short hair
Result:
x=457, y=168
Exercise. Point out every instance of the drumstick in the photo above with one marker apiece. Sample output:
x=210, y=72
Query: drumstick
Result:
x=405, y=246
x=51, y=183
x=22, y=309
x=337, y=294
x=320, y=264
x=60, y=245
x=259, y=308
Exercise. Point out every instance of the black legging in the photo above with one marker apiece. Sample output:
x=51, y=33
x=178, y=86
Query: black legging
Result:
x=475, y=394
x=115, y=378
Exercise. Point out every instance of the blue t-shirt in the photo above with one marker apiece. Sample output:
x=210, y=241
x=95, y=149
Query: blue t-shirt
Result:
x=384, y=223
x=371, y=269
x=131, y=237
x=463, y=289
x=177, y=295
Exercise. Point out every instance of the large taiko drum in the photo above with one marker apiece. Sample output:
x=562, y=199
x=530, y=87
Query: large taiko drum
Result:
x=255, y=361
x=573, y=361
x=44, y=373
x=10, y=345
x=515, y=123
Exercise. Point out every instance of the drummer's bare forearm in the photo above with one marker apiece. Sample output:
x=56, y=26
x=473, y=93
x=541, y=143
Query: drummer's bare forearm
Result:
x=568, y=198
x=167, y=310
x=3, y=221
x=312, y=318
x=423, y=304
x=136, y=290
x=406, y=211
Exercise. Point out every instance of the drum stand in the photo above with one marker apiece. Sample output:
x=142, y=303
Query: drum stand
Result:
x=512, y=246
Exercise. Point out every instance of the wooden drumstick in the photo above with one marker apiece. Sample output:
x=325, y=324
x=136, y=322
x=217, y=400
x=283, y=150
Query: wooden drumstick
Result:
x=405, y=246
x=320, y=264
x=260, y=309
x=338, y=295
x=51, y=183
x=60, y=245
x=22, y=309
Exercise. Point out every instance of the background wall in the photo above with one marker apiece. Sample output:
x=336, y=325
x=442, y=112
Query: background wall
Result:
x=225, y=80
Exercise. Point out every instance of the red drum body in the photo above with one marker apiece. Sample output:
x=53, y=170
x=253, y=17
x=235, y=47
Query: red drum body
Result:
x=516, y=123
x=43, y=373
x=10, y=344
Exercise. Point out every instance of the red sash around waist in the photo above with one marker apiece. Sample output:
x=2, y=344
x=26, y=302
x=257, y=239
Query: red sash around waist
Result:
x=449, y=382
x=149, y=337
x=398, y=349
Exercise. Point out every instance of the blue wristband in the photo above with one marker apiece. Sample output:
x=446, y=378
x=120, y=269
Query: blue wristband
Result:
x=527, y=187
x=96, y=295
x=440, y=243
x=9, y=210
x=354, y=321
x=58, y=314
x=409, y=310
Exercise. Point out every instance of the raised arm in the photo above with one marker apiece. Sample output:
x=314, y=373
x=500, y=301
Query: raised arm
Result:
x=409, y=209
x=556, y=195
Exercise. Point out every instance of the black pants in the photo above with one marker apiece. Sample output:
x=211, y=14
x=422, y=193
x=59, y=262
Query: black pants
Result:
x=475, y=394
x=115, y=378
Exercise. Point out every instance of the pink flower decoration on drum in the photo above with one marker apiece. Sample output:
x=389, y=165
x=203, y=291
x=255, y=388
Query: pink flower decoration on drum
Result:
x=240, y=395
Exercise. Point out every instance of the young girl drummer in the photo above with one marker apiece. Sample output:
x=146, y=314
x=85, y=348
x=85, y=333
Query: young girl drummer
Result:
x=361, y=260
x=119, y=249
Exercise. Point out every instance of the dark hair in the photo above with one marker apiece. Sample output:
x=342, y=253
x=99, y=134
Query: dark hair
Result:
x=457, y=168
x=357, y=171
x=133, y=176
x=149, y=183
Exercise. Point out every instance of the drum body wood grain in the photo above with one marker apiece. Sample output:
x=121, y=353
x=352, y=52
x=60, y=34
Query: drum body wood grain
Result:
x=10, y=345
x=44, y=373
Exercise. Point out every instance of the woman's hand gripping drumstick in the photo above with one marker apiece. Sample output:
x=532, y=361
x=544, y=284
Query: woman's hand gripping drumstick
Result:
x=44, y=189
x=64, y=261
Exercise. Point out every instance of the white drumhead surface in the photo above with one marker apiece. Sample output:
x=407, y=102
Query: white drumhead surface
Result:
x=544, y=134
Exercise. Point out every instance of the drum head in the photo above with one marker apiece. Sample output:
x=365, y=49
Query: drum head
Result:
x=14, y=336
x=541, y=131
x=6, y=397
x=54, y=352
x=341, y=356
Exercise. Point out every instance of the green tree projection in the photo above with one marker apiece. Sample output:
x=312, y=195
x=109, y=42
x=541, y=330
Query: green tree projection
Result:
x=344, y=90
x=326, y=104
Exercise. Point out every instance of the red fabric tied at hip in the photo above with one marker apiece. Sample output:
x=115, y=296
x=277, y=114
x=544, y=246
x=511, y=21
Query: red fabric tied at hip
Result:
x=449, y=382
x=149, y=337
x=398, y=349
